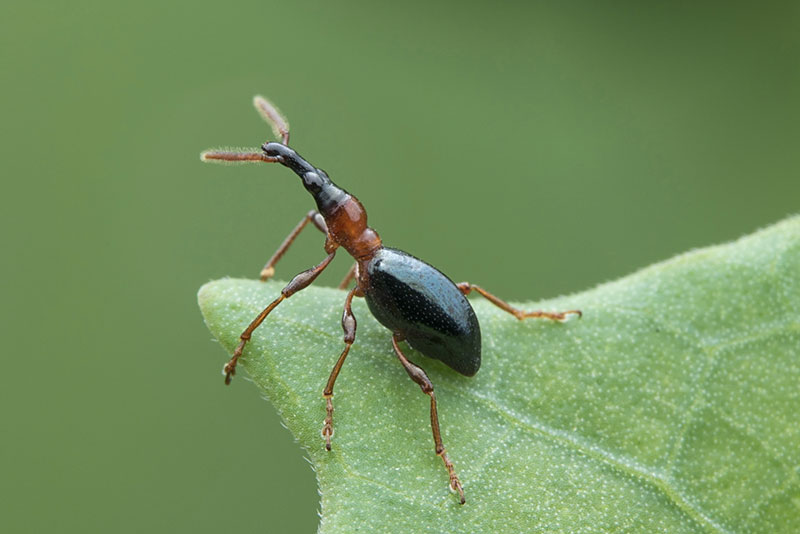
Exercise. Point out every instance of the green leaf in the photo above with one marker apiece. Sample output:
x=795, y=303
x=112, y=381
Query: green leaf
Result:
x=672, y=406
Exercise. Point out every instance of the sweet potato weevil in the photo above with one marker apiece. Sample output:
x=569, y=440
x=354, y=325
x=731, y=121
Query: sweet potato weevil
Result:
x=415, y=301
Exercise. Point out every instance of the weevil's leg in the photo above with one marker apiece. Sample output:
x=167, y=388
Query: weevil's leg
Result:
x=267, y=110
x=300, y=281
x=467, y=288
x=349, y=327
x=418, y=375
x=348, y=277
x=311, y=216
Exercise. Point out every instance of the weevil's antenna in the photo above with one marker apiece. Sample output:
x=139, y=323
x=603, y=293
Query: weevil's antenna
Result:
x=280, y=127
x=270, y=113
x=236, y=156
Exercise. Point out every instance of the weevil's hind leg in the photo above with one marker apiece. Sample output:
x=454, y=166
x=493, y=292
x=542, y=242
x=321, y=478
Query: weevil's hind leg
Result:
x=418, y=375
x=467, y=288
x=299, y=282
x=348, y=277
x=270, y=113
x=311, y=216
x=349, y=327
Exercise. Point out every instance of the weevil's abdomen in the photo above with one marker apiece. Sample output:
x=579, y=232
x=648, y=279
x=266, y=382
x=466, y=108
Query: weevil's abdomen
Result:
x=418, y=302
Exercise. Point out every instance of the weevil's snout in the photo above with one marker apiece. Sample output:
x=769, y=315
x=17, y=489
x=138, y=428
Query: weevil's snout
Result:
x=288, y=157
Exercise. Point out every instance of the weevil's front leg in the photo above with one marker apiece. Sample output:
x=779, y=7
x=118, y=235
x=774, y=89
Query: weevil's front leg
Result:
x=300, y=281
x=349, y=327
x=467, y=288
x=311, y=216
x=418, y=375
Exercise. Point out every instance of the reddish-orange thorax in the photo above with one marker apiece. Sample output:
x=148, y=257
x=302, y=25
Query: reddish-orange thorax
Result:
x=347, y=226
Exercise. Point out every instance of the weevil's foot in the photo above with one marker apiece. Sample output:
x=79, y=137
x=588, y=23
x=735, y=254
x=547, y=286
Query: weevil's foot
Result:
x=455, y=486
x=229, y=370
x=553, y=316
x=327, y=425
x=327, y=433
x=565, y=316
x=455, y=483
x=267, y=273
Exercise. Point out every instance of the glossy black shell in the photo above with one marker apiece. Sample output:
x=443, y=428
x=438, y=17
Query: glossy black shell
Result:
x=418, y=302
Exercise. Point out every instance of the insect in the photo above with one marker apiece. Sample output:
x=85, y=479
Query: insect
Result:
x=415, y=301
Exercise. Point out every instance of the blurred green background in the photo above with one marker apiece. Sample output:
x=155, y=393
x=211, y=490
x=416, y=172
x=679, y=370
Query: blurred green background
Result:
x=535, y=148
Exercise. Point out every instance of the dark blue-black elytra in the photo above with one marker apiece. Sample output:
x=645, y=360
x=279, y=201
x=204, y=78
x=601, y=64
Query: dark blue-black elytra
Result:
x=423, y=306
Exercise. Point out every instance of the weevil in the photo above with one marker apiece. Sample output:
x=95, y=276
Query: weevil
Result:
x=414, y=300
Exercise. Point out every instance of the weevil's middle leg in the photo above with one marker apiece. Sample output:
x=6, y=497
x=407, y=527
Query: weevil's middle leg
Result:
x=467, y=288
x=349, y=327
x=418, y=375
x=299, y=282
x=311, y=216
